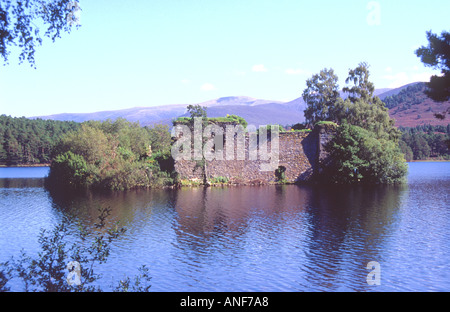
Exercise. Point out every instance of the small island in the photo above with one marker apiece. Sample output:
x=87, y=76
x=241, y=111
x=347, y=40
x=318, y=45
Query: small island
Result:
x=342, y=142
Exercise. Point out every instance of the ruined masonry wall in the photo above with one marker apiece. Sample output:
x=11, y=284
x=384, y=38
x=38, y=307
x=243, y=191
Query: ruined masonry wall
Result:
x=301, y=153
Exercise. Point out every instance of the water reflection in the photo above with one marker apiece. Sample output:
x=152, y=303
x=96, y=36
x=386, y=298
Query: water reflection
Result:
x=256, y=238
x=131, y=208
x=349, y=227
x=288, y=237
x=207, y=212
x=21, y=183
x=334, y=232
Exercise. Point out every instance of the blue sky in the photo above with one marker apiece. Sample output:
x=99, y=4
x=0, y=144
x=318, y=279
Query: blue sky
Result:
x=158, y=52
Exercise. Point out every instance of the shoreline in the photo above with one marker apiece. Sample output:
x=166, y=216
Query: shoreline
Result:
x=25, y=166
x=48, y=165
x=429, y=160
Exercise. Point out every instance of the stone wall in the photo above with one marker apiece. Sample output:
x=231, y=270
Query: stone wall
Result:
x=300, y=155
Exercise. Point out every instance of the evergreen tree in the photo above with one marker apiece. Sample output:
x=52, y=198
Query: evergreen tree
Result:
x=437, y=55
x=362, y=108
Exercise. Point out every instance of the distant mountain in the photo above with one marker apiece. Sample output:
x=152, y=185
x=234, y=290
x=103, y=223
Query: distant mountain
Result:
x=255, y=111
x=383, y=93
x=145, y=115
x=261, y=112
x=411, y=107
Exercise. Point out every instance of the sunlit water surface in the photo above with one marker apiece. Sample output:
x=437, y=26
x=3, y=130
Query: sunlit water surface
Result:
x=265, y=238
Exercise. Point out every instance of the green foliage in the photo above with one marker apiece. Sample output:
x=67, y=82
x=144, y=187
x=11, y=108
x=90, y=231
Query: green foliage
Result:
x=22, y=22
x=331, y=123
x=117, y=155
x=359, y=156
x=406, y=150
x=69, y=168
x=302, y=130
x=437, y=55
x=371, y=115
x=219, y=180
x=280, y=174
x=238, y=120
x=299, y=126
x=406, y=97
x=268, y=129
x=320, y=96
x=362, y=88
x=26, y=141
x=197, y=111
x=5, y=276
x=425, y=142
x=49, y=269
x=137, y=283
x=232, y=119
x=365, y=148
x=360, y=108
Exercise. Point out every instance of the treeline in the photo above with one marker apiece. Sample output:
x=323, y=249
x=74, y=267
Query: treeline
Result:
x=425, y=142
x=113, y=155
x=25, y=141
x=411, y=95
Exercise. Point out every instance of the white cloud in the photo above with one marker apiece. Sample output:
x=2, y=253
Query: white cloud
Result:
x=259, y=68
x=402, y=78
x=185, y=81
x=388, y=69
x=207, y=87
x=422, y=77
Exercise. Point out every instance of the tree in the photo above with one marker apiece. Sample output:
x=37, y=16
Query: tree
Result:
x=359, y=156
x=112, y=155
x=420, y=147
x=406, y=150
x=362, y=88
x=437, y=56
x=19, y=22
x=69, y=169
x=362, y=108
x=320, y=96
x=197, y=111
x=29, y=141
x=365, y=147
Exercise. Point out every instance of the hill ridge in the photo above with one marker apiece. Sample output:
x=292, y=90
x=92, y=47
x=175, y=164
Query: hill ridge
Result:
x=259, y=111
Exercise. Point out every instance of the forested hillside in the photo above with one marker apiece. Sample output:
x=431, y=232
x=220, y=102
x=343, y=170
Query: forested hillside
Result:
x=412, y=107
x=29, y=142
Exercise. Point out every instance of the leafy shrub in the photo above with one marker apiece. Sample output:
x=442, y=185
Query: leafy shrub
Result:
x=113, y=155
x=61, y=250
x=280, y=173
x=219, y=180
x=358, y=155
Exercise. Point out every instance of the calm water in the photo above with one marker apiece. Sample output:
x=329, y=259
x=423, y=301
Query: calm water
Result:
x=270, y=238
